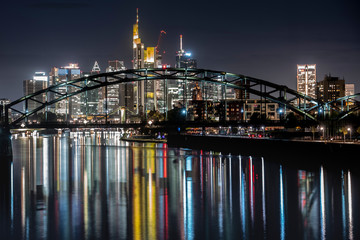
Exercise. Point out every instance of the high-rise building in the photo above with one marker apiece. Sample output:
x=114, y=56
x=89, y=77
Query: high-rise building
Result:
x=330, y=89
x=39, y=82
x=3, y=103
x=110, y=100
x=138, y=46
x=349, y=89
x=69, y=107
x=121, y=95
x=143, y=58
x=183, y=58
x=91, y=98
x=306, y=80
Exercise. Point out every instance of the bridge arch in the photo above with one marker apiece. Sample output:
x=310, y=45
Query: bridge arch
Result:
x=264, y=89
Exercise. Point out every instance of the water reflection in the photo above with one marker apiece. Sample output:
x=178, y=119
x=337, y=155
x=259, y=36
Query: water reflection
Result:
x=94, y=186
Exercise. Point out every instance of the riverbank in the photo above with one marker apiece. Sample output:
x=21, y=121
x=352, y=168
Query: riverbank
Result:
x=285, y=151
x=143, y=139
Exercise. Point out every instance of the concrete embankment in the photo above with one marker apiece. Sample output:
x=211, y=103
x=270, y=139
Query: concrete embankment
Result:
x=285, y=151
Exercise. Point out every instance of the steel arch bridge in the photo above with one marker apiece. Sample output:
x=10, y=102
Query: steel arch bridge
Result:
x=346, y=105
x=280, y=94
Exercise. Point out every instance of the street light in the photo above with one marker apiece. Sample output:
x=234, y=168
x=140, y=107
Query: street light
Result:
x=323, y=130
x=349, y=129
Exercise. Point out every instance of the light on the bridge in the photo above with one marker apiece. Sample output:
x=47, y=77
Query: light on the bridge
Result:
x=184, y=111
x=188, y=54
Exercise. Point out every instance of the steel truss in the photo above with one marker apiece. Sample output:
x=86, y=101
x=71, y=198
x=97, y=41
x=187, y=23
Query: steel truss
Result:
x=284, y=96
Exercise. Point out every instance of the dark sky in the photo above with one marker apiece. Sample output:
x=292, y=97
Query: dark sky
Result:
x=263, y=39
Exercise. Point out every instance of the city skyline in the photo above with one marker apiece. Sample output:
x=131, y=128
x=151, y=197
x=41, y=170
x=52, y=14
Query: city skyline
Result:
x=270, y=49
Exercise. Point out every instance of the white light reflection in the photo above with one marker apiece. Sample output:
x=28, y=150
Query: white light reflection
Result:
x=23, y=195
x=230, y=187
x=221, y=217
x=322, y=204
x=46, y=166
x=251, y=190
x=187, y=196
x=263, y=194
x=350, y=207
x=12, y=195
x=242, y=197
x=282, y=211
x=343, y=203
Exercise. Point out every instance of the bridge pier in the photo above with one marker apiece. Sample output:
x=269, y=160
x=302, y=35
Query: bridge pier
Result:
x=5, y=144
x=5, y=182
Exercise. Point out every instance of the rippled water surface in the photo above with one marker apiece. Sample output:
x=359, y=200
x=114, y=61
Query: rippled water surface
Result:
x=98, y=187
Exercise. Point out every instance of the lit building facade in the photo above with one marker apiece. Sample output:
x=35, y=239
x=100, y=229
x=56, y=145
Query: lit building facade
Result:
x=39, y=82
x=70, y=108
x=91, y=98
x=111, y=95
x=239, y=110
x=3, y=103
x=145, y=97
x=180, y=93
x=330, y=89
x=349, y=89
x=184, y=59
x=306, y=80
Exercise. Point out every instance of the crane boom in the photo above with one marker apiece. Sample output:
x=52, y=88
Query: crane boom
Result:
x=158, y=43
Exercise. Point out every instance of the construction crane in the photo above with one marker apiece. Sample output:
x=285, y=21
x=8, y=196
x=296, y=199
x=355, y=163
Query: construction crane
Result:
x=158, y=43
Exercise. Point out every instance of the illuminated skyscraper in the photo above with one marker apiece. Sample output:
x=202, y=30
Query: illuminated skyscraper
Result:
x=143, y=58
x=306, y=80
x=349, y=89
x=138, y=46
x=3, y=103
x=72, y=107
x=39, y=82
x=331, y=88
x=91, y=98
x=183, y=58
x=111, y=94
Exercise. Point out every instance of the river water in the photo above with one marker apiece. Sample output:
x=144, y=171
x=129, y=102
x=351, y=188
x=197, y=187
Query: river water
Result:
x=95, y=186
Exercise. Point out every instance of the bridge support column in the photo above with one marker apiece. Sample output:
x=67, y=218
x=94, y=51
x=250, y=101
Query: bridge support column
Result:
x=5, y=143
x=5, y=183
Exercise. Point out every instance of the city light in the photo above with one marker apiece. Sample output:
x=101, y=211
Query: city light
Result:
x=90, y=145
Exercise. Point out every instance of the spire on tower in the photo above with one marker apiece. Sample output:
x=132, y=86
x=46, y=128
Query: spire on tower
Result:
x=137, y=15
x=181, y=43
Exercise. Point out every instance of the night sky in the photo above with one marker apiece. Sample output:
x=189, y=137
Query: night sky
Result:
x=263, y=39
